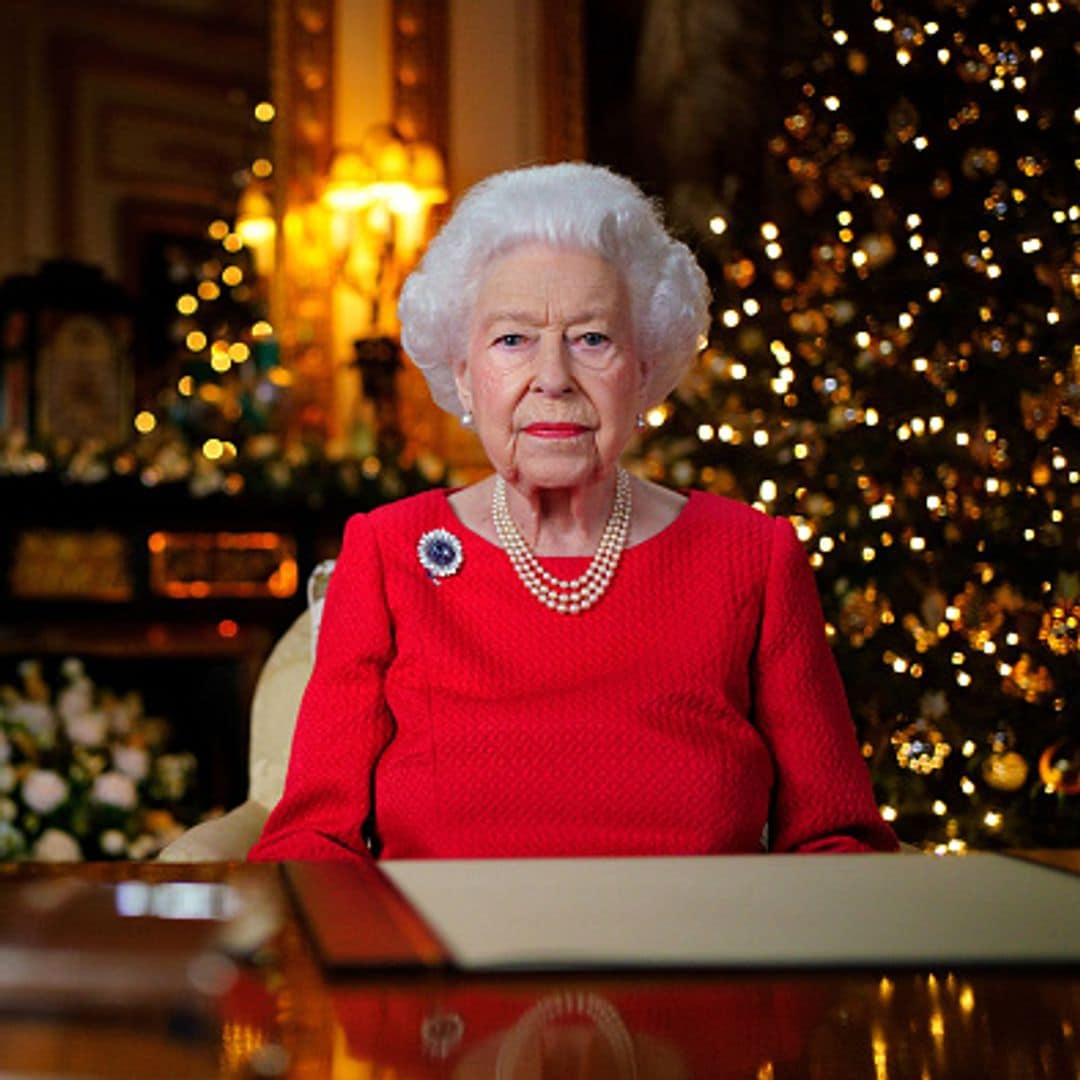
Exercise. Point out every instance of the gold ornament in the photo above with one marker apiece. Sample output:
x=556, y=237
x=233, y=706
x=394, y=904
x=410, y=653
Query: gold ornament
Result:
x=1027, y=681
x=1005, y=771
x=861, y=614
x=1059, y=767
x=941, y=185
x=979, y=617
x=1060, y=627
x=981, y=161
x=1041, y=411
x=920, y=747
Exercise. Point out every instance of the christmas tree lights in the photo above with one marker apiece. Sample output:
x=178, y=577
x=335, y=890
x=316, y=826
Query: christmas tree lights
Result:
x=894, y=365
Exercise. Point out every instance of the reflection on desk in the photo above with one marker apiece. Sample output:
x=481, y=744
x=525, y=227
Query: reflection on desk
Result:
x=282, y=1015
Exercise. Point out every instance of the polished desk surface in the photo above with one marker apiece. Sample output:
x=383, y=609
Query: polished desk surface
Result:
x=275, y=1013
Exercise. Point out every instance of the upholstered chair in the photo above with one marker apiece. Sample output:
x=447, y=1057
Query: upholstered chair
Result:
x=273, y=717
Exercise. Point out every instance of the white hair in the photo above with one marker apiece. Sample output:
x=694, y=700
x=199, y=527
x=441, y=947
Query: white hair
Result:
x=572, y=205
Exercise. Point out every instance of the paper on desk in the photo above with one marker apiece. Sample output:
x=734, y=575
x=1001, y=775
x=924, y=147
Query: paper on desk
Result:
x=746, y=911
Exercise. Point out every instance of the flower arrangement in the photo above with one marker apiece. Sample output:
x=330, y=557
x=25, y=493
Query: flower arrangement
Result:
x=85, y=774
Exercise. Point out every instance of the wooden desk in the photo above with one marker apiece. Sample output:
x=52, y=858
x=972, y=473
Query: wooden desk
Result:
x=282, y=1017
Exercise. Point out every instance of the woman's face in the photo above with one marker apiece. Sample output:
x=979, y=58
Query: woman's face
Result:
x=550, y=375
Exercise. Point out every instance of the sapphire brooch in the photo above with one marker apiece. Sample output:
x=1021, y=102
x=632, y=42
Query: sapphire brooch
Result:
x=440, y=554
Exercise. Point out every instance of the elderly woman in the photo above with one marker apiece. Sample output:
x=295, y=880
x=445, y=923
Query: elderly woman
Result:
x=563, y=659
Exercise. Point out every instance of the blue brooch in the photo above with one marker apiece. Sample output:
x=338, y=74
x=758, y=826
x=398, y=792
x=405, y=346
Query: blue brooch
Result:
x=440, y=554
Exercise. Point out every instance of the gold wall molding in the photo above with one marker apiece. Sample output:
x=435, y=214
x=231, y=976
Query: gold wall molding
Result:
x=302, y=89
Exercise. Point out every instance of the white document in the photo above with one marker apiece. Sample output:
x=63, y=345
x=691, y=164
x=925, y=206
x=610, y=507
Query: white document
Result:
x=746, y=911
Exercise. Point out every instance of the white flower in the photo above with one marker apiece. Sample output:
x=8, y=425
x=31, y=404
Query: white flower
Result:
x=87, y=729
x=44, y=790
x=7, y=779
x=72, y=668
x=123, y=714
x=8, y=810
x=12, y=841
x=132, y=761
x=173, y=771
x=76, y=699
x=55, y=845
x=142, y=846
x=113, y=842
x=37, y=717
x=114, y=789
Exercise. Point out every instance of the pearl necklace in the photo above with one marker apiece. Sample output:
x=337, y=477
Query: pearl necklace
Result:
x=580, y=594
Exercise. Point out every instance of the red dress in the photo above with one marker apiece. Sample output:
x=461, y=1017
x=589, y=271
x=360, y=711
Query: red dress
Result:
x=697, y=702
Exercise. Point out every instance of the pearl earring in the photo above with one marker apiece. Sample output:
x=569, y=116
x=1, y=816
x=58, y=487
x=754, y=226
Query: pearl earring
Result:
x=639, y=422
x=466, y=419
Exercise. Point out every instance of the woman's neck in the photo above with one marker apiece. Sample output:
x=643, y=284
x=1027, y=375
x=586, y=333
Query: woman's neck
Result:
x=562, y=521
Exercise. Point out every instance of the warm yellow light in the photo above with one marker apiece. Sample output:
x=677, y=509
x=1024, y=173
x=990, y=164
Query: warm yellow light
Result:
x=888, y=813
x=872, y=417
x=220, y=362
x=761, y=437
x=186, y=385
x=208, y=290
x=218, y=229
x=145, y=422
x=903, y=57
x=187, y=304
x=943, y=56
x=195, y=341
x=767, y=492
x=232, y=275
x=751, y=306
x=738, y=371
x=265, y=112
x=770, y=230
x=706, y=432
x=717, y=225
x=233, y=243
x=262, y=329
x=939, y=808
x=730, y=318
x=655, y=417
x=255, y=225
x=239, y=352
x=774, y=250
x=213, y=449
x=262, y=168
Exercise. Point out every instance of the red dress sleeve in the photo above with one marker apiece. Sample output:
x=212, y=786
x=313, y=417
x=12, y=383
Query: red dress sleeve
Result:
x=343, y=722
x=823, y=799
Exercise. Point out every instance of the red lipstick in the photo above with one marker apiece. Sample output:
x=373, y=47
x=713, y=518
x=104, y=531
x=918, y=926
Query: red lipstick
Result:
x=547, y=430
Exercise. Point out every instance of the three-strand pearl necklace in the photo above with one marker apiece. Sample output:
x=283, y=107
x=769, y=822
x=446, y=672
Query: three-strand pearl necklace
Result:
x=580, y=594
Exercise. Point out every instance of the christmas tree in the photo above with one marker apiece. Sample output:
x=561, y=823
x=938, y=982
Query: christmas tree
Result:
x=894, y=367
